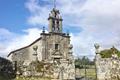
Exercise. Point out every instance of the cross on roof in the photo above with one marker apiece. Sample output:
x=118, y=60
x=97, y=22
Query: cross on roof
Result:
x=54, y=3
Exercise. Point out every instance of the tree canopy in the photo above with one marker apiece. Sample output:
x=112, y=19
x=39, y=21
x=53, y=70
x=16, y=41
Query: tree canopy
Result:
x=81, y=62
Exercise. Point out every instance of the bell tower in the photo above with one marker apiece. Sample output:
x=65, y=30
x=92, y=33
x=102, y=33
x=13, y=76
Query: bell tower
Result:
x=55, y=21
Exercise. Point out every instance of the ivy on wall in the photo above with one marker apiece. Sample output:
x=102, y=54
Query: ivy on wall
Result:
x=109, y=52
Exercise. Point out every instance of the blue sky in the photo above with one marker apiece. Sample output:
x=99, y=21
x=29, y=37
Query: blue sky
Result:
x=88, y=21
x=13, y=15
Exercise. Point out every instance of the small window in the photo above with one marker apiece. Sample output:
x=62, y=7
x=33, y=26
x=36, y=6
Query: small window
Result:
x=56, y=46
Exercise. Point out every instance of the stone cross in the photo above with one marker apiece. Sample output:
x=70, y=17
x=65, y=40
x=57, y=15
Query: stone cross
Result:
x=54, y=3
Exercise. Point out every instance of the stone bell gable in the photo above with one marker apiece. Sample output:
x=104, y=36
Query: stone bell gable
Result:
x=55, y=21
x=108, y=64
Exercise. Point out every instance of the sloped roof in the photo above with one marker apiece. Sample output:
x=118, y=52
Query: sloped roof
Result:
x=107, y=53
x=25, y=46
x=62, y=34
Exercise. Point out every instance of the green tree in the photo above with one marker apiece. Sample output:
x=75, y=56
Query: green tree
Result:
x=81, y=62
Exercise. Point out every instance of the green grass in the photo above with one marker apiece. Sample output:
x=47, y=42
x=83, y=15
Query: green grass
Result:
x=90, y=73
x=32, y=78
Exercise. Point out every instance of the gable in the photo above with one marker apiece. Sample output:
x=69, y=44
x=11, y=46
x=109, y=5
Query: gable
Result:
x=25, y=46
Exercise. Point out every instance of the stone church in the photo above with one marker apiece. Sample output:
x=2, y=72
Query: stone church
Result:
x=53, y=47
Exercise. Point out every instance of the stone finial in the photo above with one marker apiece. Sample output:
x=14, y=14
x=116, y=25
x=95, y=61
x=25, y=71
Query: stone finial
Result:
x=67, y=32
x=43, y=29
x=60, y=17
x=35, y=48
x=70, y=46
x=50, y=15
x=97, y=46
x=35, y=53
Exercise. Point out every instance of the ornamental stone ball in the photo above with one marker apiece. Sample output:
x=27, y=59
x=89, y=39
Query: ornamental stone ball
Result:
x=35, y=48
x=97, y=46
x=70, y=46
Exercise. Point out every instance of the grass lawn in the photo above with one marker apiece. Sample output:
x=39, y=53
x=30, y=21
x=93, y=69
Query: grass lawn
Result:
x=32, y=78
x=90, y=73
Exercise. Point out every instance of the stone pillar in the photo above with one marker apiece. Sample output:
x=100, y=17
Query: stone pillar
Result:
x=60, y=24
x=50, y=23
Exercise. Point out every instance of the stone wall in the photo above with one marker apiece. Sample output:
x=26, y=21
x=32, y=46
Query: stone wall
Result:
x=108, y=68
x=45, y=50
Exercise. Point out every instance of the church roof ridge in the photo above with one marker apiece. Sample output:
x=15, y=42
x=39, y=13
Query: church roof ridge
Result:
x=25, y=46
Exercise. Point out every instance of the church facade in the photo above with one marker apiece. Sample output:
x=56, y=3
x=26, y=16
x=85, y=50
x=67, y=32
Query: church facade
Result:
x=53, y=47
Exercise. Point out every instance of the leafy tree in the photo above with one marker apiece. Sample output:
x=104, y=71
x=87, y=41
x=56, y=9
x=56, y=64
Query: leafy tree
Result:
x=81, y=62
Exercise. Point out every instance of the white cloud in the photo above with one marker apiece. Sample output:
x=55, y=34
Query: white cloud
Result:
x=17, y=41
x=98, y=19
x=38, y=14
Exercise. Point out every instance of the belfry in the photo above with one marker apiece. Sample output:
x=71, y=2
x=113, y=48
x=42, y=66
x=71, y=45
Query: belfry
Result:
x=55, y=21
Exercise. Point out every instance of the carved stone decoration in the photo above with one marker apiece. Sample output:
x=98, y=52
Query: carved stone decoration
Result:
x=97, y=46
